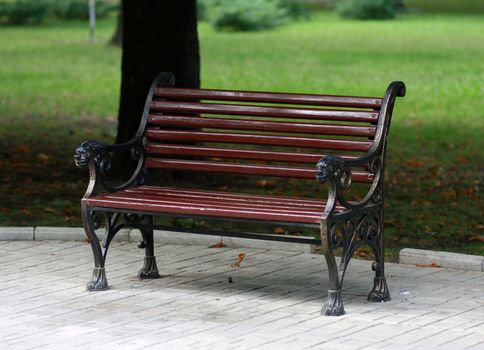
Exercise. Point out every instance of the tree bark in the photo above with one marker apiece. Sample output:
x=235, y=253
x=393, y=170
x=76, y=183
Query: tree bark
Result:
x=157, y=36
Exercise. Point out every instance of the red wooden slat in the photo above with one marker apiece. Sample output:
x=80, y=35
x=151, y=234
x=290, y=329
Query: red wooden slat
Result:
x=270, y=97
x=263, y=111
x=225, y=197
x=203, y=211
x=198, y=151
x=262, y=125
x=211, y=203
x=182, y=135
x=246, y=169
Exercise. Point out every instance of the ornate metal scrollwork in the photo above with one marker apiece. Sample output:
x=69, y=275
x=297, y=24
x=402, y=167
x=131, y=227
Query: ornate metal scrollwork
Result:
x=90, y=151
x=333, y=168
x=98, y=157
x=96, y=219
x=350, y=232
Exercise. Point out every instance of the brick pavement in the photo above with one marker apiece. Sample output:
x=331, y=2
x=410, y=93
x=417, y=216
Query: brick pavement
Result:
x=274, y=302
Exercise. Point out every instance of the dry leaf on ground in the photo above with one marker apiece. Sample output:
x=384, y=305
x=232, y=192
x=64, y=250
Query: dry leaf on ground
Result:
x=237, y=263
x=427, y=265
x=218, y=245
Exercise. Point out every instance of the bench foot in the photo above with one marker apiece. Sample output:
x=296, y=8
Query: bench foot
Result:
x=332, y=238
x=149, y=270
x=380, y=292
x=334, y=304
x=98, y=280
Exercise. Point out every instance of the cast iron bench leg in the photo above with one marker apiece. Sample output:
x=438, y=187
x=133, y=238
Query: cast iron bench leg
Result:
x=98, y=280
x=379, y=292
x=149, y=270
x=334, y=305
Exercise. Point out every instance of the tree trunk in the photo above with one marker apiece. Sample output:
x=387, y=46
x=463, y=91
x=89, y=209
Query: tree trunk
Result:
x=92, y=20
x=157, y=36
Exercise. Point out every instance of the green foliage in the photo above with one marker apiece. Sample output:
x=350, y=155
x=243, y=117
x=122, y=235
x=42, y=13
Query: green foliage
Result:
x=201, y=10
x=79, y=9
x=295, y=9
x=243, y=15
x=367, y=9
x=21, y=12
x=446, y=6
x=25, y=11
x=254, y=15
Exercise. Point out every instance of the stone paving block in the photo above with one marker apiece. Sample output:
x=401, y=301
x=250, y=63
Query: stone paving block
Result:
x=411, y=256
x=184, y=238
x=271, y=303
x=16, y=233
x=73, y=234
x=179, y=238
x=263, y=244
x=60, y=233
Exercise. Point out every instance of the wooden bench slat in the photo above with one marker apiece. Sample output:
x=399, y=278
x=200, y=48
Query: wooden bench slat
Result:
x=203, y=211
x=262, y=125
x=229, y=196
x=264, y=111
x=271, y=97
x=248, y=154
x=255, y=139
x=215, y=204
x=247, y=169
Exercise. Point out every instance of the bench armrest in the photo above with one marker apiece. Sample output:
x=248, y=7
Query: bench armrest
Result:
x=97, y=156
x=336, y=171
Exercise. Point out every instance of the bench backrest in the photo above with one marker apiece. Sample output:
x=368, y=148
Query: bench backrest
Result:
x=256, y=133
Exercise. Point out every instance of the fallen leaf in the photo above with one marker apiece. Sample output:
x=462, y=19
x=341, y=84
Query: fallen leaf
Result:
x=218, y=245
x=476, y=238
x=52, y=211
x=427, y=265
x=462, y=159
x=23, y=149
x=265, y=183
x=415, y=163
x=279, y=230
x=43, y=157
x=237, y=263
x=361, y=252
x=27, y=212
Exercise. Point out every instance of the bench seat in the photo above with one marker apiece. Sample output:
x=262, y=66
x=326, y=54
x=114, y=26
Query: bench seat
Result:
x=177, y=201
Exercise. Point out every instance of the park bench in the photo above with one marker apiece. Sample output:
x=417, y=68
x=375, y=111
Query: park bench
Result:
x=332, y=139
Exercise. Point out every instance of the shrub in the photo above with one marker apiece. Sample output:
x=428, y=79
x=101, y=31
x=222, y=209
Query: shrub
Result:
x=243, y=15
x=367, y=9
x=79, y=9
x=201, y=10
x=21, y=12
x=295, y=9
x=25, y=11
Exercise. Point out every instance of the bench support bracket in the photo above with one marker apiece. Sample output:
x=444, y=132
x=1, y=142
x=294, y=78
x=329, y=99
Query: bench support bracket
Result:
x=348, y=231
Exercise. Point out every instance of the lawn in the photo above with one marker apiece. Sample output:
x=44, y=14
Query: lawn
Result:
x=57, y=90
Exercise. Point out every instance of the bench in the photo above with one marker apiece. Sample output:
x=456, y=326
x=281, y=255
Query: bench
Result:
x=335, y=140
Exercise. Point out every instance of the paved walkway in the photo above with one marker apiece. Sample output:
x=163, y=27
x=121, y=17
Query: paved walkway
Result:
x=274, y=302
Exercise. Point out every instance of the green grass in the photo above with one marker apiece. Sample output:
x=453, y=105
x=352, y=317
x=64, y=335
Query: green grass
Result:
x=56, y=90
